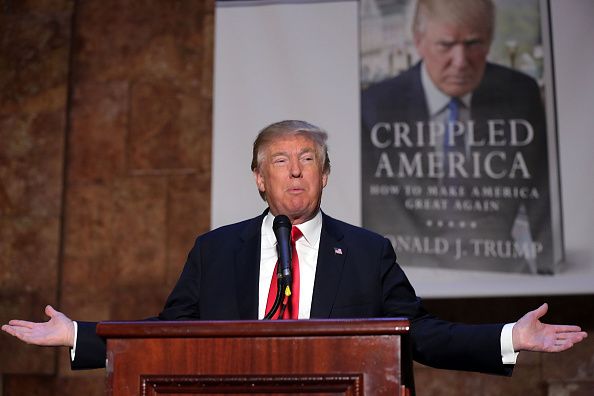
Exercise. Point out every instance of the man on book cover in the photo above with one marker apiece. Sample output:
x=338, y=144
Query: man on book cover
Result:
x=454, y=151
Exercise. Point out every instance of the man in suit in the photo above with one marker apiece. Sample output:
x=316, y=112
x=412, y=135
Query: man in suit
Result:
x=455, y=120
x=344, y=272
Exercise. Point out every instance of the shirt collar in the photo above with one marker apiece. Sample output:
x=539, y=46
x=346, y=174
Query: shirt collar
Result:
x=311, y=230
x=437, y=101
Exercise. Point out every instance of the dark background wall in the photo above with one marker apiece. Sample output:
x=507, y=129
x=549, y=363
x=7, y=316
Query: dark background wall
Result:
x=105, y=155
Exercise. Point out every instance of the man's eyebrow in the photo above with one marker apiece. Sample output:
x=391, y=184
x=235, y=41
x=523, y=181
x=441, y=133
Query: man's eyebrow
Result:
x=446, y=39
x=279, y=154
x=304, y=150
x=472, y=40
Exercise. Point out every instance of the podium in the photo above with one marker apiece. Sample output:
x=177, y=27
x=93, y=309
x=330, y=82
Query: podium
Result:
x=308, y=357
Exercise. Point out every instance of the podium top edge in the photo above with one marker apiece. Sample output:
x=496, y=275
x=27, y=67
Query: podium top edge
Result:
x=253, y=328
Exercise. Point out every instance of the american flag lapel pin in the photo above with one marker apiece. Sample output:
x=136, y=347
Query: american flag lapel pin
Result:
x=337, y=250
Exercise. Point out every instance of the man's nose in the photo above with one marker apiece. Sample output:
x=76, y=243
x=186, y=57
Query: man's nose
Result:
x=459, y=55
x=295, y=169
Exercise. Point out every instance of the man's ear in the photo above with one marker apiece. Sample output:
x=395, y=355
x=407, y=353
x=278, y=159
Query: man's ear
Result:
x=324, y=179
x=259, y=180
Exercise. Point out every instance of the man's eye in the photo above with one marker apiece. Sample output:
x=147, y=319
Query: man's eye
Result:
x=474, y=45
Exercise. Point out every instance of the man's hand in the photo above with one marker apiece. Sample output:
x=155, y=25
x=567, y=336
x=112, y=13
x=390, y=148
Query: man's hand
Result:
x=530, y=334
x=58, y=331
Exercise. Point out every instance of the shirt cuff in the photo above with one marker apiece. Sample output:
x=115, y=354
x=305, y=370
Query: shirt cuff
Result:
x=73, y=349
x=508, y=355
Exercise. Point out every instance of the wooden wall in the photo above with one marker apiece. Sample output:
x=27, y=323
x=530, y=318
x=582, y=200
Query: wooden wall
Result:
x=105, y=155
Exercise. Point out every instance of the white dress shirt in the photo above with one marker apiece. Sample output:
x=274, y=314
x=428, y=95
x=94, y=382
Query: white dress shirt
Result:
x=307, y=251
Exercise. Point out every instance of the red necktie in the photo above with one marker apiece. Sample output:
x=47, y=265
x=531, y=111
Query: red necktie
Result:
x=292, y=309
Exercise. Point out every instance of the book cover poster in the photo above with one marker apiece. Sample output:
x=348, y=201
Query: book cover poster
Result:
x=459, y=158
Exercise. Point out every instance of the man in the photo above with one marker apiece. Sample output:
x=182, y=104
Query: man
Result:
x=455, y=120
x=345, y=272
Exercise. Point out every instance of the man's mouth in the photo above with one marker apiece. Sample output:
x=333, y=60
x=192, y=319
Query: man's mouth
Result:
x=295, y=190
x=460, y=80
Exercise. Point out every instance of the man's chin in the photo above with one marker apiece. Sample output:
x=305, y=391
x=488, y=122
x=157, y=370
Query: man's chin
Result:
x=457, y=91
x=458, y=88
x=300, y=214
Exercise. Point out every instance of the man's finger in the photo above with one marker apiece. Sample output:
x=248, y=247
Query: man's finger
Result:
x=21, y=323
x=8, y=329
x=17, y=332
x=541, y=311
x=567, y=329
x=50, y=311
x=576, y=337
x=561, y=347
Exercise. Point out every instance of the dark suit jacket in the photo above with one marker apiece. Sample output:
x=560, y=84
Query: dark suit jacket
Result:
x=220, y=282
x=503, y=94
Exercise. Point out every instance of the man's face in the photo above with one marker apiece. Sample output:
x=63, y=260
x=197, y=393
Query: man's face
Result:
x=455, y=56
x=291, y=177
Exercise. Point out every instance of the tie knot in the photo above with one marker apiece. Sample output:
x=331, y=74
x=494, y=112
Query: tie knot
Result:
x=454, y=101
x=295, y=234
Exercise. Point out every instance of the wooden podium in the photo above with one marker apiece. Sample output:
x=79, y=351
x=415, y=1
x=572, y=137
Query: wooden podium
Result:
x=309, y=357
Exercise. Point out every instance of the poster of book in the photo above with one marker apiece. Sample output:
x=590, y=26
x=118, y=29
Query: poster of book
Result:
x=458, y=137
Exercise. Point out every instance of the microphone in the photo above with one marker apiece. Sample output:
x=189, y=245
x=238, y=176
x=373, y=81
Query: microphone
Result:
x=282, y=231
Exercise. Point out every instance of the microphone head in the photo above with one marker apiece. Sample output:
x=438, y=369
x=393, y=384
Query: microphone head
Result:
x=281, y=221
x=282, y=231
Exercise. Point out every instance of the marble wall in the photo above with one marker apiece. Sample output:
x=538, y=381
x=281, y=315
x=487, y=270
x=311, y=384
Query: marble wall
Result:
x=105, y=137
x=105, y=155
x=35, y=40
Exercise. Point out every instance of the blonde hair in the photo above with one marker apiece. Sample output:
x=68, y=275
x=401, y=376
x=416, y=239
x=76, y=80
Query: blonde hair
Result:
x=476, y=13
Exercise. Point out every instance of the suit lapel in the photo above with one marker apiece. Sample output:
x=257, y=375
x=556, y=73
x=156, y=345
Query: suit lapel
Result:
x=247, y=270
x=491, y=93
x=331, y=257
